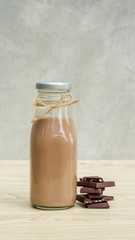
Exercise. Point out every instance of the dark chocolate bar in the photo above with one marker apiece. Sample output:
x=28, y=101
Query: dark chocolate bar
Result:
x=91, y=190
x=98, y=205
x=102, y=199
x=93, y=187
x=96, y=184
x=84, y=198
x=107, y=198
x=95, y=196
x=92, y=179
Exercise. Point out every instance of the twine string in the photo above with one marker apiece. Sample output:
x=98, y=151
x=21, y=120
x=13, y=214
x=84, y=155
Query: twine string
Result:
x=38, y=104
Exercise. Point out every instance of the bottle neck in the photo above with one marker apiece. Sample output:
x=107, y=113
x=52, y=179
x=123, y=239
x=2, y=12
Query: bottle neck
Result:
x=53, y=96
x=49, y=95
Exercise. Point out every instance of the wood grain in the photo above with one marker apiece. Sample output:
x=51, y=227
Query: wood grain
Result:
x=18, y=220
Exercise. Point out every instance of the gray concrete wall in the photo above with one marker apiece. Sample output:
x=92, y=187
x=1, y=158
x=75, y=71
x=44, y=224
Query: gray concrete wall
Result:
x=88, y=42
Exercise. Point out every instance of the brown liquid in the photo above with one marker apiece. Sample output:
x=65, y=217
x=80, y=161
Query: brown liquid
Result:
x=53, y=162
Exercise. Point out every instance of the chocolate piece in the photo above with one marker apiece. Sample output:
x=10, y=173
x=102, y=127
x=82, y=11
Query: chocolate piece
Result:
x=98, y=205
x=91, y=190
x=102, y=199
x=92, y=179
x=96, y=184
x=85, y=199
x=107, y=198
x=95, y=196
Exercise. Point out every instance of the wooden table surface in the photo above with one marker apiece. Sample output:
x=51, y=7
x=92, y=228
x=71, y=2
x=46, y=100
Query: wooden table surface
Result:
x=18, y=220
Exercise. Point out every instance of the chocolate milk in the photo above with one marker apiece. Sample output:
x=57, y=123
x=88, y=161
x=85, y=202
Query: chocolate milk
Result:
x=53, y=162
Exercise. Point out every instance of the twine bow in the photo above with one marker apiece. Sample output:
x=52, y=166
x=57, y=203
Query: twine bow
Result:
x=38, y=104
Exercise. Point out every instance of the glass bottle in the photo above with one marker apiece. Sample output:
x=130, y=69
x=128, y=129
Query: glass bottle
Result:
x=53, y=151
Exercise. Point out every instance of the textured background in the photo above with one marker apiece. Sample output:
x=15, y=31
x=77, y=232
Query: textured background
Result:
x=90, y=43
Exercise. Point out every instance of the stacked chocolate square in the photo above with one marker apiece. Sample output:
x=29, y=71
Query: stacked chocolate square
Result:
x=93, y=188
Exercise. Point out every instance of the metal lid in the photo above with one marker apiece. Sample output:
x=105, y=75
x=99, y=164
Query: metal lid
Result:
x=53, y=85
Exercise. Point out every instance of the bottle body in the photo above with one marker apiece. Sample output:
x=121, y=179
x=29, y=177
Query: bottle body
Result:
x=54, y=160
